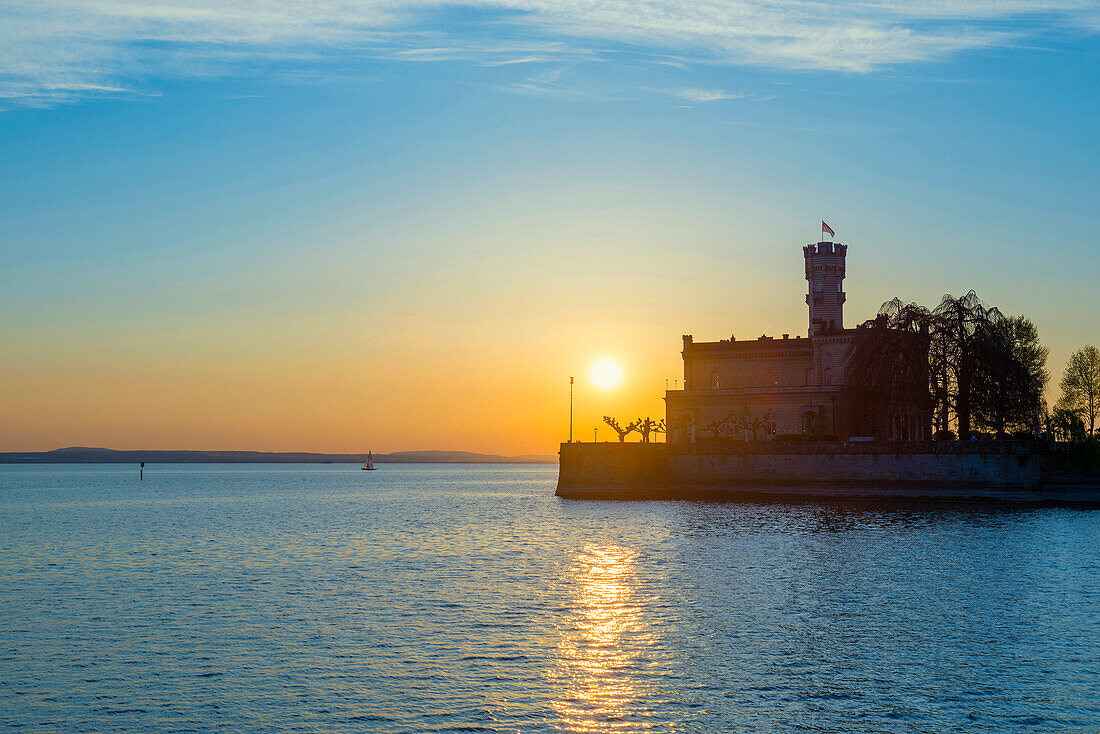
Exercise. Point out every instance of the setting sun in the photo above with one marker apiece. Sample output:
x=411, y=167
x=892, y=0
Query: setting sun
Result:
x=606, y=373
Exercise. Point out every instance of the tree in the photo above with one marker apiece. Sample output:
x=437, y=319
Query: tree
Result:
x=964, y=363
x=645, y=426
x=718, y=427
x=954, y=357
x=732, y=423
x=753, y=425
x=622, y=431
x=1010, y=376
x=685, y=427
x=888, y=369
x=1081, y=385
x=1065, y=425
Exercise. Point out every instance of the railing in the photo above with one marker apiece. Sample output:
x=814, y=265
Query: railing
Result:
x=729, y=391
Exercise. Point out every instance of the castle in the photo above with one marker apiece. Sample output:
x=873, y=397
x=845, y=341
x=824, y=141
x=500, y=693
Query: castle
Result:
x=780, y=388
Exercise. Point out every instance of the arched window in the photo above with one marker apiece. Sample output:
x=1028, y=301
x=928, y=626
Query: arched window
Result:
x=809, y=423
x=714, y=381
x=685, y=425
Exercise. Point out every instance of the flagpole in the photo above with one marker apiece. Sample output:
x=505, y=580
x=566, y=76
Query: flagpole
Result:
x=570, y=410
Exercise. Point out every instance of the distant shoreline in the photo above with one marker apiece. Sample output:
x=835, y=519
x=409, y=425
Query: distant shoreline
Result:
x=82, y=455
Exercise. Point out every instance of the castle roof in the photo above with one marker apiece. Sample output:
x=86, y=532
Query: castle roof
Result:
x=768, y=343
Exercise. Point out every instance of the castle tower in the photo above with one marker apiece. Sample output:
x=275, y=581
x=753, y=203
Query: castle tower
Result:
x=825, y=273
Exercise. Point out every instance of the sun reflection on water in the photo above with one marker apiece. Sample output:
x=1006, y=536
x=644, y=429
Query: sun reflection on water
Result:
x=603, y=635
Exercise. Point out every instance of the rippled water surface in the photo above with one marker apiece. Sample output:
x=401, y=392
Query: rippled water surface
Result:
x=265, y=598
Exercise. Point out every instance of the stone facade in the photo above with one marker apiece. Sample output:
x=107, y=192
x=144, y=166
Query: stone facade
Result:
x=972, y=471
x=788, y=387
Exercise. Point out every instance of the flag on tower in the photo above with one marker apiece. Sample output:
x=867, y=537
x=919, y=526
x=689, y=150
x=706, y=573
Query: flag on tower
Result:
x=827, y=228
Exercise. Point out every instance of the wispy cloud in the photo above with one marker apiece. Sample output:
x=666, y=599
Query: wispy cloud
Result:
x=693, y=94
x=56, y=50
x=524, y=60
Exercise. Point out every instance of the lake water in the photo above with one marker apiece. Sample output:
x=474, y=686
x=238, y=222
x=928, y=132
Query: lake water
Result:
x=320, y=598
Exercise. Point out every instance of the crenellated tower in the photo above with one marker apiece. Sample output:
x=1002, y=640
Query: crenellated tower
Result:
x=825, y=274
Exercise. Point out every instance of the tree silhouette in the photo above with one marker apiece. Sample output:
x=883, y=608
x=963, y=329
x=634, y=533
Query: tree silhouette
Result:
x=1010, y=376
x=954, y=356
x=683, y=426
x=622, y=431
x=888, y=368
x=645, y=426
x=754, y=424
x=964, y=363
x=733, y=423
x=1081, y=385
x=718, y=427
x=1064, y=424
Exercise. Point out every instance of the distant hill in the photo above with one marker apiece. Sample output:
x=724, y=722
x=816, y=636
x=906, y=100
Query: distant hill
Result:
x=82, y=455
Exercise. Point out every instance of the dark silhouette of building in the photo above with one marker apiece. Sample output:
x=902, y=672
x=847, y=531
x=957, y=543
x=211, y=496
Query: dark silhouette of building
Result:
x=766, y=388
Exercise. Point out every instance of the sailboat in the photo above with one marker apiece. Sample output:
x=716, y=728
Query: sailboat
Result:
x=368, y=465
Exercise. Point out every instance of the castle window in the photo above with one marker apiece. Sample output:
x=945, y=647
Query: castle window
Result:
x=714, y=382
x=685, y=427
x=810, y=423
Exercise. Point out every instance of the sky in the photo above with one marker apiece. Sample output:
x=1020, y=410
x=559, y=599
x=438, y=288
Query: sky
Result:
x=339, y=226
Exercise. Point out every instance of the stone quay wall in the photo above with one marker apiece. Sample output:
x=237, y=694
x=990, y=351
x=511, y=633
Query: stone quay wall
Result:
x=976, y=471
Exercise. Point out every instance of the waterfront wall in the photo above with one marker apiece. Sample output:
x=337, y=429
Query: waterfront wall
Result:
x=1019, y=470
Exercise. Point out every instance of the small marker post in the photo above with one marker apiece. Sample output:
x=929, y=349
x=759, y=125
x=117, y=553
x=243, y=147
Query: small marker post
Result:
x=141, y=472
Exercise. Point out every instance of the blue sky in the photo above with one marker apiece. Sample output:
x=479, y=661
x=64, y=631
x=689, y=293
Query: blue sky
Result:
x=223, y=184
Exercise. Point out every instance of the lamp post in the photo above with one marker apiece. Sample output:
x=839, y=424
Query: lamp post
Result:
x=570, y=410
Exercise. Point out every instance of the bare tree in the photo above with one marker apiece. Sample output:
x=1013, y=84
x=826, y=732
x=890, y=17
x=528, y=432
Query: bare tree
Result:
x=751, y=425
x=722, y=427
x=714, y=428
x=732, y=423
x=645, y=426
x=622, y=431
x=683, y=426
x=755, y=424
x=1081, y=385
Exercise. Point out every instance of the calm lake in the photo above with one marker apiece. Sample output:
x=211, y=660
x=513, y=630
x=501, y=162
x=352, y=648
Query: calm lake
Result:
x=321, y=598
